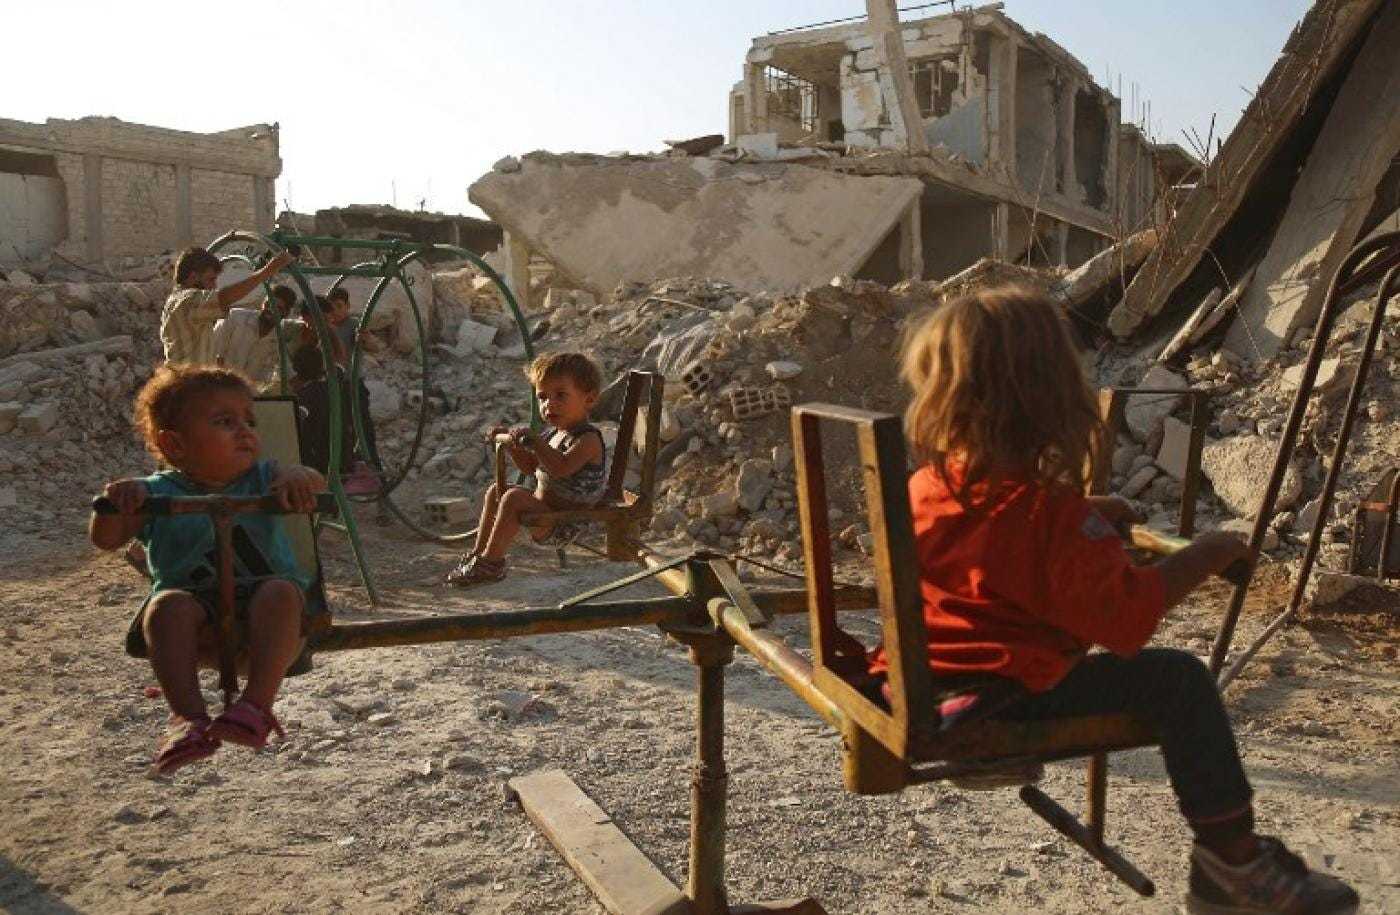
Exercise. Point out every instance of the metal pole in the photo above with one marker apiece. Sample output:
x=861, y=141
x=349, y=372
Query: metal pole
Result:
x=1191, y=486
x=228, y=634
x=710, y=782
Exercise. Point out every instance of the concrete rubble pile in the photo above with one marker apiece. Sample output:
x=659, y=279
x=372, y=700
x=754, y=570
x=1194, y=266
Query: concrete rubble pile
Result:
x=1228, y=300
x=72, y=356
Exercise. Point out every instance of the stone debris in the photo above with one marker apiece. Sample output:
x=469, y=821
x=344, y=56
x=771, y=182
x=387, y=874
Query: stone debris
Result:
x=1237, y=468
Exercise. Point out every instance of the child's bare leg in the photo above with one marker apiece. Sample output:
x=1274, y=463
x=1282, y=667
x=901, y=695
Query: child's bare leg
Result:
x=515, y=503
x=489, y=505
x=171, y=625
x=274, y=639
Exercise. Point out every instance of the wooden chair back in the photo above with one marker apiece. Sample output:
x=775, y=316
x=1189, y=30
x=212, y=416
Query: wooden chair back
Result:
x=880, y=439
x=651, y=387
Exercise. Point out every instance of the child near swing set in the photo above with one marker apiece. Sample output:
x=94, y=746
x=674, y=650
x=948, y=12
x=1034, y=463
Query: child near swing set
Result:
x=1021, y=573
x=198, y=422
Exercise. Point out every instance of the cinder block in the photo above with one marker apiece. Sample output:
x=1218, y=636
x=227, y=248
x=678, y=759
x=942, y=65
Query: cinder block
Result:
x=447, y=512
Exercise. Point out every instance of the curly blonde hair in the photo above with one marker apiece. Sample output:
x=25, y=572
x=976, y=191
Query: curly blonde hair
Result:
x=162, y=402
x=577, y=367
x=998, y=389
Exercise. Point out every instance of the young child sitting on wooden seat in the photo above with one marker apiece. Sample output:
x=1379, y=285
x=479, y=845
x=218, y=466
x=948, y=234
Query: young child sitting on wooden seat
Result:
x=568, y=458
x=198, y=422
x=1021, y=573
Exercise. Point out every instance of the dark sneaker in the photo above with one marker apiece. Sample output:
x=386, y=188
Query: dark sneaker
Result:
x=1277, y=883
x=477, y=570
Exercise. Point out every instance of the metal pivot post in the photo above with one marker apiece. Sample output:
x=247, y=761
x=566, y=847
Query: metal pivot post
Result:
x=222, y=519
x=709, y=783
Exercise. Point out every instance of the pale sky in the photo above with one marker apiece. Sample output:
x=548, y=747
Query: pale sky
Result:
x=383, y=103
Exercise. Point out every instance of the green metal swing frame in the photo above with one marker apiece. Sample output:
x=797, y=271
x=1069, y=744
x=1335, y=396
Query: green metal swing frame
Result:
x=391, y=258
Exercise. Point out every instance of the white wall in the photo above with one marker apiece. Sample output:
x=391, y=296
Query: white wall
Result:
x=33, y=216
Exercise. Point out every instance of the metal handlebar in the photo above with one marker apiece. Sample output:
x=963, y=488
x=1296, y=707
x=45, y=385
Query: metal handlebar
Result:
x=155, y=506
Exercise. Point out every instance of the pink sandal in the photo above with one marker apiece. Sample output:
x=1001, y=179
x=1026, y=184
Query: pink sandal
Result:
x=246, y=725
x=187, y=742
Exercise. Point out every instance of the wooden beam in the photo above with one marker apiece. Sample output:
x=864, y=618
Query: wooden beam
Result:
x=623, y=878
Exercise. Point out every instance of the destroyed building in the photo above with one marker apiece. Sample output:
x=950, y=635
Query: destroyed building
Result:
x=1020, y=156
x=1042, y=140
x=381, y=222
x=96, y=189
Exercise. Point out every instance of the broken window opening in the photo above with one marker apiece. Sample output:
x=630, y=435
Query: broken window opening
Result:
x=935, y=81
x=792, y=97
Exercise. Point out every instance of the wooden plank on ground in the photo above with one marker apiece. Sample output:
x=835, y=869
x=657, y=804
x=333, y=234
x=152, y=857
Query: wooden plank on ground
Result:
x=623, y=878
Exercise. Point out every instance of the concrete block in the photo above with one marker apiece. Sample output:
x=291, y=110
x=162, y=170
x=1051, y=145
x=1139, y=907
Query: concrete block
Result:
x=1332, y=376
x=1238, y=469
x=447, y=512
x=1138, y=482
x=783, y=370
x=474, y=337
x=643, y=218
x=1329, y=588
x=36, y=419
x=697, y=377
x=759, y=145
x=1145, y=412
x=753, y=484
x=1176, y=446
x=384, y=402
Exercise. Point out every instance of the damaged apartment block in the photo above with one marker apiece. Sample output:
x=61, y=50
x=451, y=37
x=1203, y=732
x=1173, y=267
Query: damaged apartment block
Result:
x=97, y=189
x=1026, y=157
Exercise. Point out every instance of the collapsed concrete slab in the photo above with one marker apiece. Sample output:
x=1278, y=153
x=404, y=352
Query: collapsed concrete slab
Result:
x=1335, y=193
x=1251, y=163
x=774, y=226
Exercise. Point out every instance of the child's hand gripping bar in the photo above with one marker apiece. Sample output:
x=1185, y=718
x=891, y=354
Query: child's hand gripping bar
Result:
x=210, y=505
x=1145, y=538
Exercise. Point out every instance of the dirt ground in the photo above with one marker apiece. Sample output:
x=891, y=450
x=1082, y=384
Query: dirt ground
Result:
x=388, y=794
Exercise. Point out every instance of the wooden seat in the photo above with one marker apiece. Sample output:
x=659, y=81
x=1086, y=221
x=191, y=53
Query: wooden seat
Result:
x=886, y=749
x=621, y=511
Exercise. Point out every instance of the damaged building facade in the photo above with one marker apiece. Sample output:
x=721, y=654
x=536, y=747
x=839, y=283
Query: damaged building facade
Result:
x=1045, y=172
x=96, y=189
x=380, y=222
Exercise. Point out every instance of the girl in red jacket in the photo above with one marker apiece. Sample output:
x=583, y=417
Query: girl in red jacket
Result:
x=1022, y=573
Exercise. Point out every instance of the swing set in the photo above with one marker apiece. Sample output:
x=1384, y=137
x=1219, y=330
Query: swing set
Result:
x=885, y=748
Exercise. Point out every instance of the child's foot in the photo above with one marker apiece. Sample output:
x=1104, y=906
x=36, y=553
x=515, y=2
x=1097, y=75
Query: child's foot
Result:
x=477, y=570
x=360, y=481
x=1276, y=882
x=186, y=742
x=245, y=724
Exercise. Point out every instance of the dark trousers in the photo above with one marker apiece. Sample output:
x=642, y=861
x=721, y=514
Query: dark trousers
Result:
x=1174, y=691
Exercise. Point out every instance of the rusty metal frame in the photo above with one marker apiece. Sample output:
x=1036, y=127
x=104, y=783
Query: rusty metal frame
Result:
x=1113, y=404
x=1362, y=260
x=1366, y=512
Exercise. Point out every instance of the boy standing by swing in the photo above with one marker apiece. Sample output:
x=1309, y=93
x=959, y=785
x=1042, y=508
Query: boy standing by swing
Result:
x=197, y=301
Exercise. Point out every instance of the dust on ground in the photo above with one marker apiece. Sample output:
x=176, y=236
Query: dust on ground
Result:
x=388, y=794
